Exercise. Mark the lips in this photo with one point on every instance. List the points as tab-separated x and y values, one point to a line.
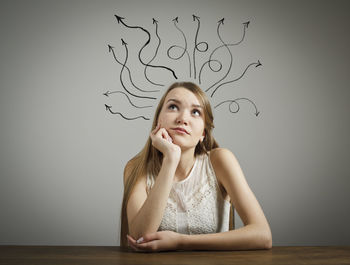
180	130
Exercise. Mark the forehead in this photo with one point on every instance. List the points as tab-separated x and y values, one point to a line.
183	95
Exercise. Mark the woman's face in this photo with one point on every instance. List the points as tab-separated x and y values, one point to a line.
183	117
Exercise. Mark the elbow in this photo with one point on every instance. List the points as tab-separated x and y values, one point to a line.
267	244
134	232
137	232
261	238
265	241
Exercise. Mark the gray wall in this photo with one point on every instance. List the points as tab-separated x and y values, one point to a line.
62	154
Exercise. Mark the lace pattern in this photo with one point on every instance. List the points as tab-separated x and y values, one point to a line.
195	204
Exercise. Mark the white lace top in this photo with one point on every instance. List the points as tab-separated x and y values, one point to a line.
195	204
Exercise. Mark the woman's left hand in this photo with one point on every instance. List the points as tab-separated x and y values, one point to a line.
159	241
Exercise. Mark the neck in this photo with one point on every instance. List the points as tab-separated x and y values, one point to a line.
185	164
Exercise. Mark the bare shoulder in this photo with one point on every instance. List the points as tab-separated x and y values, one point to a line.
220	156
224	163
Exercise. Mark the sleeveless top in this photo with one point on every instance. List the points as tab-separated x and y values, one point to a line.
195	205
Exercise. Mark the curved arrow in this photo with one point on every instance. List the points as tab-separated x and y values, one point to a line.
121	73
129	119
111	48
183	48
245	26
120	20
235	101
109	93
196	45
221	22
155	54
256	65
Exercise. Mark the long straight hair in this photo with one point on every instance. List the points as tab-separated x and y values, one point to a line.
149	159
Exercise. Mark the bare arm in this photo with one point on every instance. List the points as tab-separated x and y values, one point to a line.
145	212
256	232
245	238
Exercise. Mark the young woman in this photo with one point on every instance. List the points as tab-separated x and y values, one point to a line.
179	189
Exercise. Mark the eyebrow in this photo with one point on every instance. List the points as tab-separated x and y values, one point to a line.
179	102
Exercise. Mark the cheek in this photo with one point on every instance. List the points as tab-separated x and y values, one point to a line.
200	129
163	119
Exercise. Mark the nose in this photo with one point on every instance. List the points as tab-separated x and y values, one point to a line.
182	118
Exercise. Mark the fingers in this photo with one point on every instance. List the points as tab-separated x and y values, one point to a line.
132	244
166	136
162	132
156	129
145	244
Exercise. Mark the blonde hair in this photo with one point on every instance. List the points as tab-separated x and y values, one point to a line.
149	159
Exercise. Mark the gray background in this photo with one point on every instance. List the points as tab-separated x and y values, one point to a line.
62	155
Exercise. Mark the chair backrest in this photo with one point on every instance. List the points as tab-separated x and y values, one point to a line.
232	218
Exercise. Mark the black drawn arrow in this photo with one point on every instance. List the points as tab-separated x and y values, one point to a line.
155	54
176	21
221	22
121	92
238	107
121	73
245	26
111	49
120	20
108	108
225	83
196	45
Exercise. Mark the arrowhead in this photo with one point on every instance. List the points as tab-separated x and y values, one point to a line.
176	19
123	42
256	114
195	17
259	63
108	107
110	48
246	24
119	18
106	94
154	21
221	21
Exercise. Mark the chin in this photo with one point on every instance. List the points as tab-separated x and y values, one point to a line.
179	143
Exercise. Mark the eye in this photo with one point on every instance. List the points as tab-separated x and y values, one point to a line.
172	107
196	112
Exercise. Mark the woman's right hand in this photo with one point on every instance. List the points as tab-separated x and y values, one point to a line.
162	141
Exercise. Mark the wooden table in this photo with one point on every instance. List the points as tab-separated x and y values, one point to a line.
115	255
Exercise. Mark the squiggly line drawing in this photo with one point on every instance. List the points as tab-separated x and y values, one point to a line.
196	45
109	93
121	73
176	21
208	62
245	26
238	107
111	48
120	20
155	54
126	118
256	65
221	22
